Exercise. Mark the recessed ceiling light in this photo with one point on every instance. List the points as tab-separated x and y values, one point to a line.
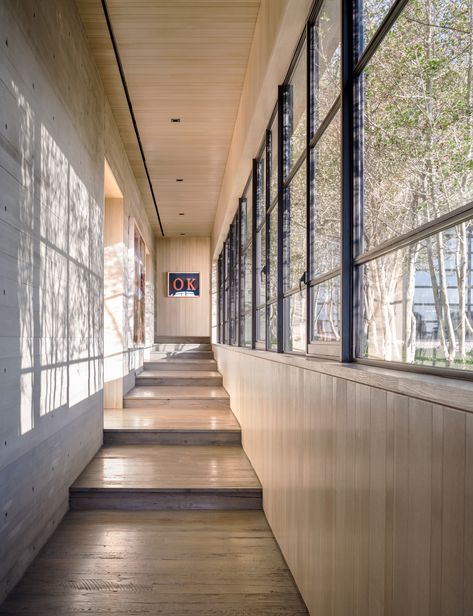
175	119
179	179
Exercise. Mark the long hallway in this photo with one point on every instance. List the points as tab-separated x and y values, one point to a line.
236	307
167	518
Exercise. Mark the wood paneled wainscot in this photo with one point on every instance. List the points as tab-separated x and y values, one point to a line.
368	490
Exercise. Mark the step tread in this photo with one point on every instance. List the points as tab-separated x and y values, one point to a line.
169	392
181	374
182	339
184	346
163	419
189	360
181	355
171	468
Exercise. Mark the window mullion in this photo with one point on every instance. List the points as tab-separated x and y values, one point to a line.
347	207
254	211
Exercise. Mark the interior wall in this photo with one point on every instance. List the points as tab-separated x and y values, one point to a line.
115	303
55	130
368	491
183	316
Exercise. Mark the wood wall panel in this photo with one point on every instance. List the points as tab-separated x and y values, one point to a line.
368	491
183	316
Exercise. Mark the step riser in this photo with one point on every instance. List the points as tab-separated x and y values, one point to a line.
180	348
182	340
106	499
148	381
182	355
174	437
179	365
179	403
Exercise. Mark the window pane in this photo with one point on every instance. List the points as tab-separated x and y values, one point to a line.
326	201
260	264
247	330
261	192
295	230
261	324
417	145
418	302
326	311
297	108
274	160
243	219
273	253
327	59
273	326
233	238
295	322
373	11
249	212
246	303
226	265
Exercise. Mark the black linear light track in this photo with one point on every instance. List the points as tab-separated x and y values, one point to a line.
130	106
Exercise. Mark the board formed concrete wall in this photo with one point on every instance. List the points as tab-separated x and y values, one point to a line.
56	129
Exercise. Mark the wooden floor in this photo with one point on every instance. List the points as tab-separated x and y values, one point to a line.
167	518
180	563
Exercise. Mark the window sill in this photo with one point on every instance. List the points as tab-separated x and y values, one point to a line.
450	392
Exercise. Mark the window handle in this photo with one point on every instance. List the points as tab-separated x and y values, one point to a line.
302	281
263	272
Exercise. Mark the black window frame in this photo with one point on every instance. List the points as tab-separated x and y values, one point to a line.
355	56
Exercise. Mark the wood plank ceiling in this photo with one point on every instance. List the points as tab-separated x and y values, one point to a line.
182	59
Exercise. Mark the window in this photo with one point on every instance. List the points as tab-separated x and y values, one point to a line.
417	170
139	290
367	223
220	301
295	207
246	266
234	280
226	292
325	184
417	304
260	252
272	236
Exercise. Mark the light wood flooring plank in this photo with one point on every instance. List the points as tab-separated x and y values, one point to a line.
168	563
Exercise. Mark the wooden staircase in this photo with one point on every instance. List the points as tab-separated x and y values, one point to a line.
122	550
175	445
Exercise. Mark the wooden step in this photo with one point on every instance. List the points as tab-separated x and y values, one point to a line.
179	378
167	477
181	364
182	339
177	397
181	355
168	347
185	426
